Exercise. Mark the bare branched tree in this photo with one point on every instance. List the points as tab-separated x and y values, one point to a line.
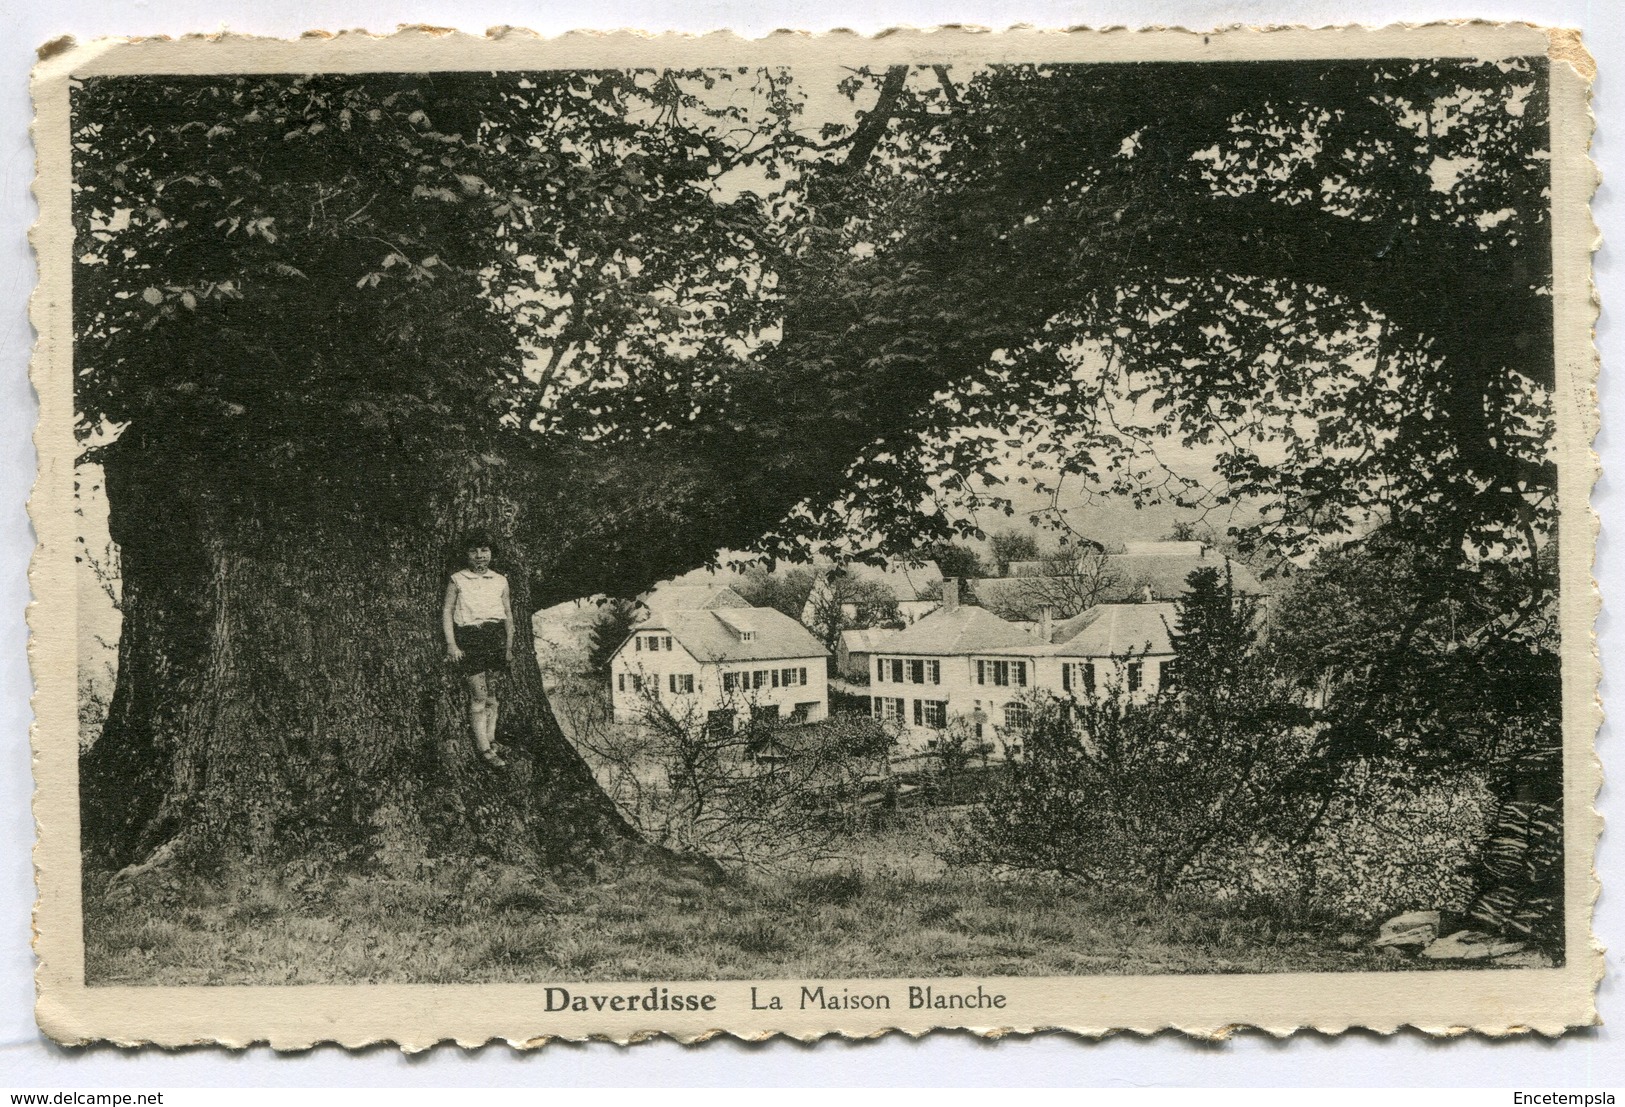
768	795
1073	580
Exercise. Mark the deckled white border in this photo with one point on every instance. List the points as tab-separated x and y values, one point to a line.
1204	1028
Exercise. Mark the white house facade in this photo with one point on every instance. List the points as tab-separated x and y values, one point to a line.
958	664
721	667
966	667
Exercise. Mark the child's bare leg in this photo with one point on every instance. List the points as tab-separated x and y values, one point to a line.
490	717
476	710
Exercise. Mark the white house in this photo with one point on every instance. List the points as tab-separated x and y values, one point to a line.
720	666
967	666
957	663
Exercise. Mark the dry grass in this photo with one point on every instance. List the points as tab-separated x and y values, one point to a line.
900	913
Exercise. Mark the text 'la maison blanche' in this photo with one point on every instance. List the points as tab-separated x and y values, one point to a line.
803	997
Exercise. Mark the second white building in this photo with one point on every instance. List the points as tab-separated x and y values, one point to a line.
720	667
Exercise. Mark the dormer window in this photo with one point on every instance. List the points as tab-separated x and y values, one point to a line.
747	636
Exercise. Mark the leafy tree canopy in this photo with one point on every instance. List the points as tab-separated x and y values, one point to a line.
705	316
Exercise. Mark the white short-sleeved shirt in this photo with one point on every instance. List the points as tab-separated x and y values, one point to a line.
479	597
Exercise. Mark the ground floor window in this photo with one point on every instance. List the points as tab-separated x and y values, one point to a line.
682	684
934	713
1136	675
720	721
765	713
887	707
1016	714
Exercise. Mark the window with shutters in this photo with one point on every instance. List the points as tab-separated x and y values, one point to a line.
936	713
667	640
801	674
620	682
1019	668
1001	673
682	684
1136	675
1066	676
897	670
919	713
880	670
933	670
775	675
758	678
1089	677
916	673
1168	675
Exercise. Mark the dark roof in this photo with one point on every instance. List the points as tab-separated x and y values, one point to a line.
717	634
965	630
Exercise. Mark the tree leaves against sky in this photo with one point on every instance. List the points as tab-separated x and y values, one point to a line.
1334	277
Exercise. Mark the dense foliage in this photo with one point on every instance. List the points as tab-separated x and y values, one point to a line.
636	317
613	261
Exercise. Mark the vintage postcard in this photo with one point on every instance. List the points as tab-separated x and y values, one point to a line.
627	535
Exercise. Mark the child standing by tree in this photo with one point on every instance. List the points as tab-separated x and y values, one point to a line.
477	619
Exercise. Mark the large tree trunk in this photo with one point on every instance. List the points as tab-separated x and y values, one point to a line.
283	688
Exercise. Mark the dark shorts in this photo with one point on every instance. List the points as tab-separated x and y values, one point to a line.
484	646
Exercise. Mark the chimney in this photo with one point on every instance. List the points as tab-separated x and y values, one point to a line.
1044	629
950	594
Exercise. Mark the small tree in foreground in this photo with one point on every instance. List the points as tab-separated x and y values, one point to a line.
767	795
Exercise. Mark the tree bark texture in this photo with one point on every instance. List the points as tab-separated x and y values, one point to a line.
283	689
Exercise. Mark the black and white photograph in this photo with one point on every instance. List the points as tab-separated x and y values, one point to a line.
825	522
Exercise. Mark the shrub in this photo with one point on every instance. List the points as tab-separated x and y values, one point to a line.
1117	794
769	795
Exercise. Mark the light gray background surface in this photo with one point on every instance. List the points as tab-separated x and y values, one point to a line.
1592	1058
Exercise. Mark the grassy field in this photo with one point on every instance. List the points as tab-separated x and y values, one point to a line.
901	915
